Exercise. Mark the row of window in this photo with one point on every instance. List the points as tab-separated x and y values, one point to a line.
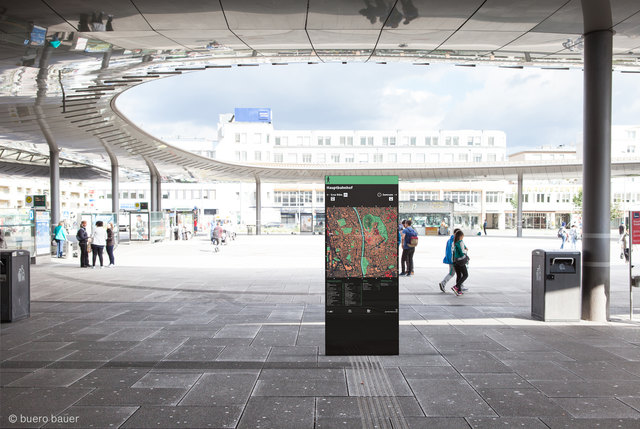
383	141
392	158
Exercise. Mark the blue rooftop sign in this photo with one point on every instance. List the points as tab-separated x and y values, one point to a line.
252	114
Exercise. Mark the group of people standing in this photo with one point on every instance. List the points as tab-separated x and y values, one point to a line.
99	239
568	235
455	256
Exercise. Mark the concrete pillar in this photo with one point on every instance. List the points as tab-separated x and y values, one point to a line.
153	198
258	206
106	57
596	173
519	210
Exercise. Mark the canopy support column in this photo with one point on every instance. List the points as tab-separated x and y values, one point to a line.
519	209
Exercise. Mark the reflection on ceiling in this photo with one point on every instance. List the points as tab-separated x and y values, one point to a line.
63	63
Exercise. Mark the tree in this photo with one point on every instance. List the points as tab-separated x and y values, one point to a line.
577	201
616	212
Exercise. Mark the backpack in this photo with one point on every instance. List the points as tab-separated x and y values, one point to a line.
413	242
78	235
560	234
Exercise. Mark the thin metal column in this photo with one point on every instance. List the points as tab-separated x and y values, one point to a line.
153	199
258	205
519	209
54	150
158	192
54	185
596	174
115	184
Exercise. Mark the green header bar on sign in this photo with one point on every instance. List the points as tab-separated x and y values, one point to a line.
361	180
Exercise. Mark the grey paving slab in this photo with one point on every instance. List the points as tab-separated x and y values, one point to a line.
597	408
351	407
431	372
168	379
431	359
587	388
521	403
94	417
506	422
34	402
450	398
632	401
475	362
541	370
111	378
276	336
497	381
336	374
238	331
437	423
597	423
195	353
221	388
598	370
183	416
7	377
40	346
278	413
133	397
92	355
244	354
300	387
51	378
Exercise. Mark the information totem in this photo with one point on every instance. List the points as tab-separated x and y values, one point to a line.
361	265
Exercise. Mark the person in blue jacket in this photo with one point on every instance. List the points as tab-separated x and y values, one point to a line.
448	259
60	236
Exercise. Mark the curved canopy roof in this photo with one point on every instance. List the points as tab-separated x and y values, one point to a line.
69	100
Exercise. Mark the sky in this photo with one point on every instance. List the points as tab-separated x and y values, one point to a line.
534	107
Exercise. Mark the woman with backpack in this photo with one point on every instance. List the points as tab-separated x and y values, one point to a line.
460	260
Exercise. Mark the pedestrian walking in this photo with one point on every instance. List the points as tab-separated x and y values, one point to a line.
60	235
98	241
448	259
408	249
460	260
83	241
111	242
562	234
484	226
573	235
624	244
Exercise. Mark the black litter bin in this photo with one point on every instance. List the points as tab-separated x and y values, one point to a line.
15	284
555	285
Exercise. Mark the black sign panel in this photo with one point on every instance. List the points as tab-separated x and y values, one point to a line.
361	265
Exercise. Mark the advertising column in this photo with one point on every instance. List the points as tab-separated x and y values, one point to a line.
361	265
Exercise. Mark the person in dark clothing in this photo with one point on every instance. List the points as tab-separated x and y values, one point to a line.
111	241
459	262
83	239
407	249
484	226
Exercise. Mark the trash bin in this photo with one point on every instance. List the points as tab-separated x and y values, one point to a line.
555	285
15	285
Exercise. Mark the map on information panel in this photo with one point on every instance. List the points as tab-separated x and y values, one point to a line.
361	242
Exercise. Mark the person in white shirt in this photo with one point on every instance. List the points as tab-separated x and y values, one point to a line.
98	241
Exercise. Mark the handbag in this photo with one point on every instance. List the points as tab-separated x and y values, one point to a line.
464	260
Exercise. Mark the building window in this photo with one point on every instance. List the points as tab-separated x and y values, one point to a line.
469	141
319	197
427	141
257	138
477	157
243	155
349	157
278	141
418	158
492	141
464	157
277	157
363	141
456	141
292	158
540	198
237	155
412	141
494	197
434	140
631	149
257	156
306	158
491	157
392	141
370	141
363	158
405	158
447	141
322	158
346	141
377	157
392	158
335	158
324	141
468	198
447	157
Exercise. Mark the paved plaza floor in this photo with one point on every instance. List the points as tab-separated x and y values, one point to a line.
178	335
